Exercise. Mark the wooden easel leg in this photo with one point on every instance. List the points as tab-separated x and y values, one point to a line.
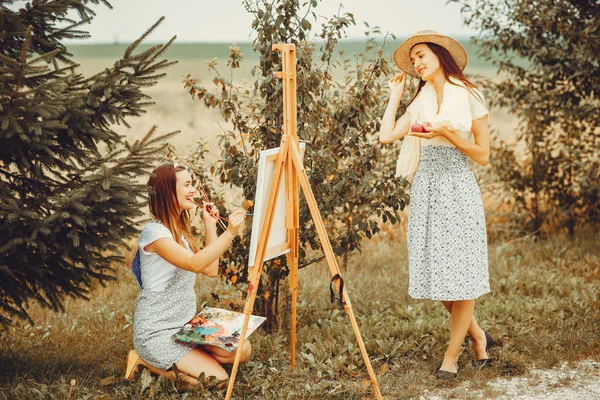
294	267
293	196
330	256
293	260
252	289
293	264
292	190
256	271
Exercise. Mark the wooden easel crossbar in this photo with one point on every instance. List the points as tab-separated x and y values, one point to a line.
289	162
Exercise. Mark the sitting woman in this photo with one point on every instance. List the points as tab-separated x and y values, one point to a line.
169	259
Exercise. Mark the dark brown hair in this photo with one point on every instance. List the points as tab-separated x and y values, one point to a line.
164	205
450	69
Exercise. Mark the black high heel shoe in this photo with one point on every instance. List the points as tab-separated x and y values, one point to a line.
441	374
489	343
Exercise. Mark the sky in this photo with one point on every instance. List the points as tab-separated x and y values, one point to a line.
228	21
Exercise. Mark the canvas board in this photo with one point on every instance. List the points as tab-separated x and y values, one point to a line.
278	242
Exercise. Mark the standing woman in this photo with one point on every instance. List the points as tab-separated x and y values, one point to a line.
169	260
447	241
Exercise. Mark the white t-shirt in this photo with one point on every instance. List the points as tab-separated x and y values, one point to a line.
478	107
478	110
156	271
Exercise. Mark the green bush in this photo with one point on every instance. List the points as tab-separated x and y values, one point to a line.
546	54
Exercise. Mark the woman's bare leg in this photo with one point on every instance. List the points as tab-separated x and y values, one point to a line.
475	332
460	320
228	357
198	361
169	374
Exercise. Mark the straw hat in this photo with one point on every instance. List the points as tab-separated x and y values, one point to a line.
402	53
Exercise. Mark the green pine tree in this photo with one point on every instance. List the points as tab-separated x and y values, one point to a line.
69	188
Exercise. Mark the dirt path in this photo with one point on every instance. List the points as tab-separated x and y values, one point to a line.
575	382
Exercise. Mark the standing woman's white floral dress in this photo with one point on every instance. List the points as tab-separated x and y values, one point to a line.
447	240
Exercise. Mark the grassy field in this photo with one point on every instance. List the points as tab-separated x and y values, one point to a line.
544	307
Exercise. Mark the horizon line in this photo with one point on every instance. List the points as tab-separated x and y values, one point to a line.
113	42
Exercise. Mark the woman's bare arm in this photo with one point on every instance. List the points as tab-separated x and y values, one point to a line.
478	151
183	258
204	260
211	237
392	129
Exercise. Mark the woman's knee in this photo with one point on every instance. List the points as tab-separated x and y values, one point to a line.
218	374
448	305
246	351
197	361
221	375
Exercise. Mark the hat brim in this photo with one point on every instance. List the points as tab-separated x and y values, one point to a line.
402	53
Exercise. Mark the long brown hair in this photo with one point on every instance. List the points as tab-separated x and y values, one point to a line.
165	207
450	69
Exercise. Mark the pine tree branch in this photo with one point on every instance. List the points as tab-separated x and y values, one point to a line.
135	44
45	57
72	34
23	59
164	48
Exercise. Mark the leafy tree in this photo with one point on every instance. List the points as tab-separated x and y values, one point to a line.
350	173
69	192
546	53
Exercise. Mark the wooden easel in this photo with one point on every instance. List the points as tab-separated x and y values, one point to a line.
289	162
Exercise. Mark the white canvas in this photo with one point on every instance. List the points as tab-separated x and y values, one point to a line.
278	243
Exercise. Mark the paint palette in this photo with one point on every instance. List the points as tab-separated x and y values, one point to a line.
217	327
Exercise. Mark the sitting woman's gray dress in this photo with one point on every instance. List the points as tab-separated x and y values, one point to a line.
161	313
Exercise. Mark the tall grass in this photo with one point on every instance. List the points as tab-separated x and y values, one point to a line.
544	307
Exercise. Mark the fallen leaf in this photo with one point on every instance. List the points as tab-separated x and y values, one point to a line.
109	380
384	368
